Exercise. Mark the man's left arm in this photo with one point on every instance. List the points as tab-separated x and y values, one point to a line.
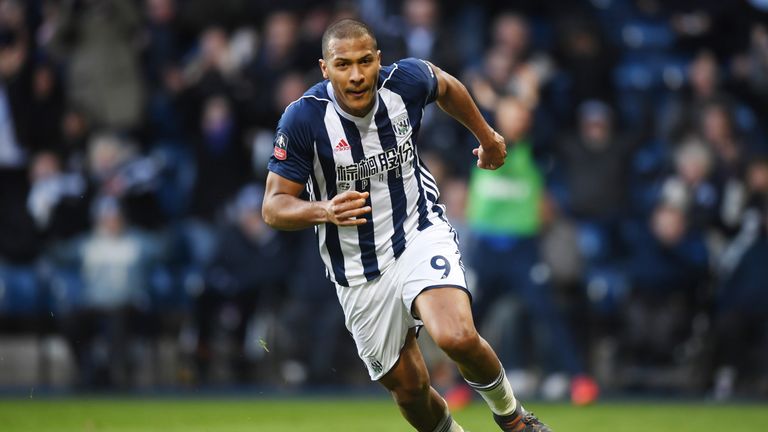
454	99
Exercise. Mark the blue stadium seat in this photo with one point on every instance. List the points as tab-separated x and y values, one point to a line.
607	289
649	159
66	290
177	177
645	35
166	289
635	75
20	291
594	241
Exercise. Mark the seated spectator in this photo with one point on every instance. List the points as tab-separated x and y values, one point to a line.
98	41
740	342
316	338
46	109
587	59
15	85
678	117
75	134
419	32
58	201
596	166
247	274
717	128
510	66
668	270
596	162
750	71
20	239
221	159
118	170
692	186
668	255
114	260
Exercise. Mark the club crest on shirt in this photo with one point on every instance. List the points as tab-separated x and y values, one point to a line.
281	146
402	125
374	365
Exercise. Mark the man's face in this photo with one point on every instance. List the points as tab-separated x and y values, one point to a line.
353	66
513	120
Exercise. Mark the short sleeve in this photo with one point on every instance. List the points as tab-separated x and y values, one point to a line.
417	79
292	148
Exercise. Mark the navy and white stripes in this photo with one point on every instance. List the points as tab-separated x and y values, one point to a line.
333	151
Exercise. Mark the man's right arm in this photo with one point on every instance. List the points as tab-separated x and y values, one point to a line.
284	210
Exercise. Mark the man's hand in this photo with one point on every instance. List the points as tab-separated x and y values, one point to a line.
491	153
346	208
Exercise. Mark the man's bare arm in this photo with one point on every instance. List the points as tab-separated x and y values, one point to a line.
284	210
454	99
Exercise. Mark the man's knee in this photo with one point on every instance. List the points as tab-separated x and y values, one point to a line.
457	342
411	391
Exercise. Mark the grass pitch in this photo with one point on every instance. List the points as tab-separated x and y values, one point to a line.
348	415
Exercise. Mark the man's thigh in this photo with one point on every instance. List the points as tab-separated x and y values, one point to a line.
444	311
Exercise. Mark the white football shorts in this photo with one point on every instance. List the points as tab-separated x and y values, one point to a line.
379	313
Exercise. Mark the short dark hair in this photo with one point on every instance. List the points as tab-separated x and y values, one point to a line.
347	28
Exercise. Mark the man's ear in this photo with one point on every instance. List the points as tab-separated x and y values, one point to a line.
323	68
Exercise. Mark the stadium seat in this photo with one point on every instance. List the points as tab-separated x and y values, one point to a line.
66	290
607	288
20	291
644	35
167	289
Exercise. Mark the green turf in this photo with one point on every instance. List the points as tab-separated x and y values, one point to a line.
345	415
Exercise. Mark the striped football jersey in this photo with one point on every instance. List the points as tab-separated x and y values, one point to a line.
331	151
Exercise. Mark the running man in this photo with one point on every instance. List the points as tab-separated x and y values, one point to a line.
351	142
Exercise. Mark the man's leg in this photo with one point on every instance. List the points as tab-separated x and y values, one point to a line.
447	315
420	404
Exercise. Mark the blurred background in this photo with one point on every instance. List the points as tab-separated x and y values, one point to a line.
622	247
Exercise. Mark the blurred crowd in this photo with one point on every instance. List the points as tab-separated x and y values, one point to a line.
625	239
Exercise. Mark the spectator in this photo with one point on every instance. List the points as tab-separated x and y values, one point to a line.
247	275
421	35
750	71
164	46
289	89
596	163
115	261
20	240
504	215
58	201
681	115
692	187
118	170
165	42
75	135
588	60
15	85
740	339
276	57
46	108
98	41
313	319
511	67
668	271
716	127
221	159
